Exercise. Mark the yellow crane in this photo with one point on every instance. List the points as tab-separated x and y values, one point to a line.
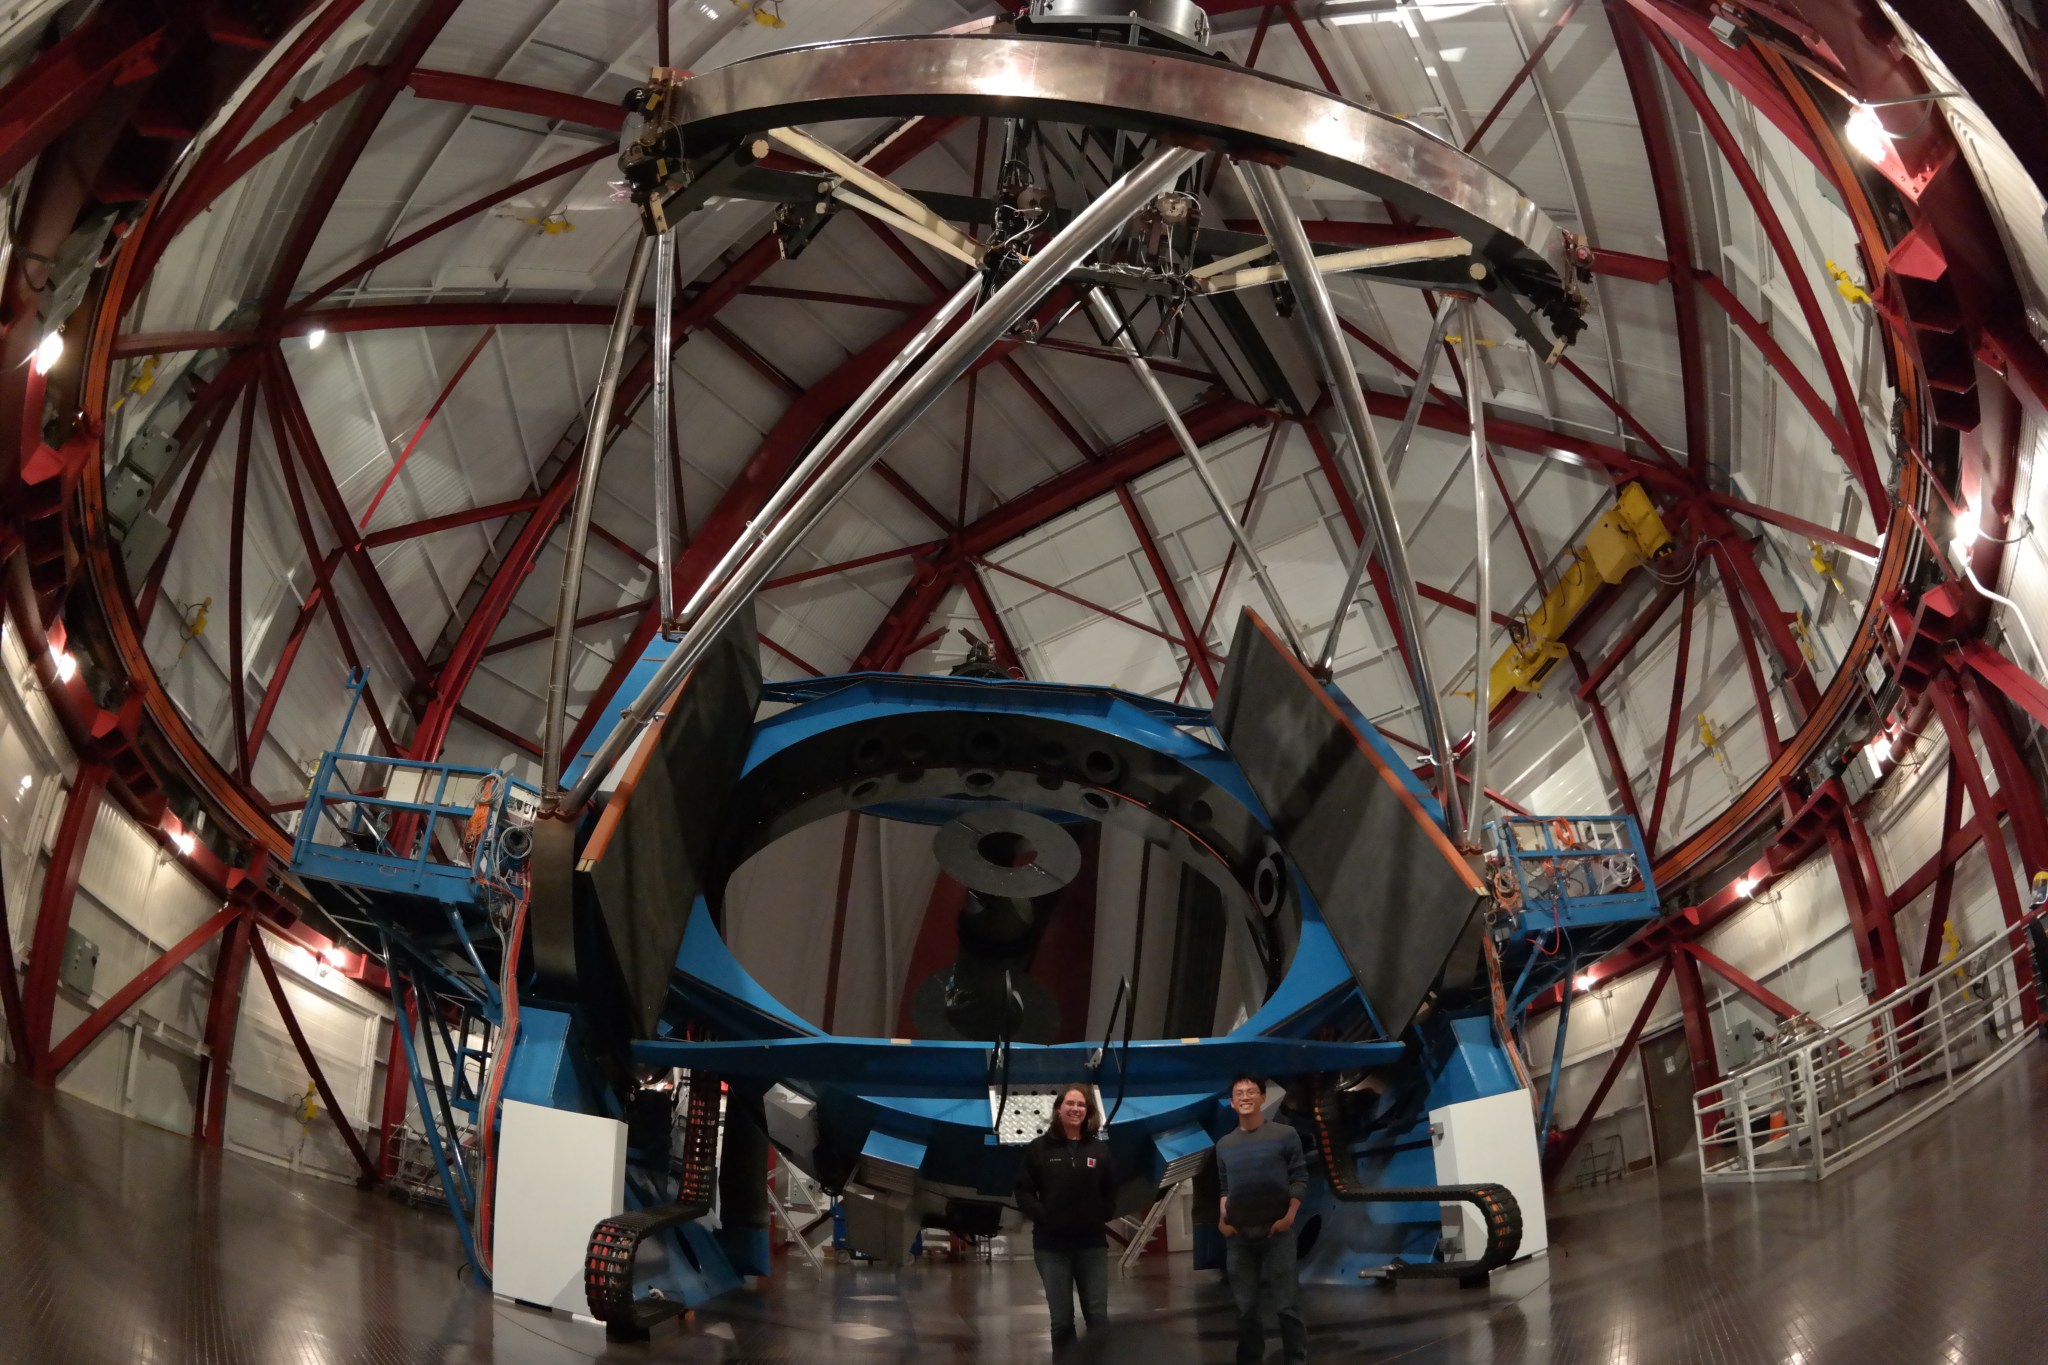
1628	536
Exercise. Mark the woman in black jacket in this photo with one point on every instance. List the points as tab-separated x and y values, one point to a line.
1067	1190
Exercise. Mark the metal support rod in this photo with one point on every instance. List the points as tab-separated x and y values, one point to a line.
1333	358
1111	322
664	348
1482	702
954	356
556	724
789	1226
1564	1019
1424	372
786	492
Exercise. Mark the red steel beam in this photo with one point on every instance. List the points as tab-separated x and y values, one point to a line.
849	565
391	1118
320	475
238	520
1862	462
1667	182
1629	639
53	913
524	743
548	632
1167	587
311	542
121	1001
309	611
427	21
1551	35
116	45
454	87
306	1055
223	1010
1672	723
198	195
1759	335
1741	980
433	411
1699	1028
783	652
2018	789
1759	686
1558	1158
152	581
1080	601
1244	516
448	521
1955	719
204	182
1945	867
991	620
1604	728
448	220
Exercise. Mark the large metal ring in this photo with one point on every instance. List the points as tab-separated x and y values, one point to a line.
1150	91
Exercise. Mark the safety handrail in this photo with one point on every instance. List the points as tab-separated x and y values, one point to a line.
1827	1098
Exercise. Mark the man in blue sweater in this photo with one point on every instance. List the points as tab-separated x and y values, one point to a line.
1263	1177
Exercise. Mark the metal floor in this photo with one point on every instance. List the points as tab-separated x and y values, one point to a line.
121	1243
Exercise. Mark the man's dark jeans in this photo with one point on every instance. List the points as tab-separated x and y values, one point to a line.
1262	1276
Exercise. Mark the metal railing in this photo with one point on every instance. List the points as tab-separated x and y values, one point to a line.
1571	869
1836	1094
407	825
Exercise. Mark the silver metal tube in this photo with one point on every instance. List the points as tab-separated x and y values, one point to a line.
1482	505
824	447
1112	324
1326	337
664	356
566	603
1018	296
1396	450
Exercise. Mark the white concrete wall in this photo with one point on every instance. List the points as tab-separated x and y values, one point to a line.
135	900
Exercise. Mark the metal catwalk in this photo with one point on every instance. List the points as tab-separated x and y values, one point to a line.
123	1243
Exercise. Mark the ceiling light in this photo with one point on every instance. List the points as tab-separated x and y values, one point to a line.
1745	887
185	842
1880	749
315	337
1585	981
67	667
1866	132
48	352
27	780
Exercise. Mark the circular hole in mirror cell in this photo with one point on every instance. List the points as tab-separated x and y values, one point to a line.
1006	848
979	780
1052	782
1052	753
865	789
1101	765
914	747
870	754
1200	813
984	746
1095	800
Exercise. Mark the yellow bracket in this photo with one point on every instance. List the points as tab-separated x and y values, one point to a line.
1847	285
